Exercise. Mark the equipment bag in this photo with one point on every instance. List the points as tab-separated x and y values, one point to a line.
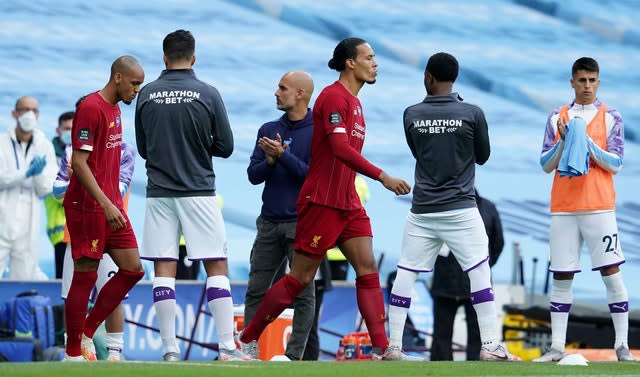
20	349
29	315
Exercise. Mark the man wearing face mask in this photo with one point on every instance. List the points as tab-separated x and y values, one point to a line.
63	134
53	205
27	172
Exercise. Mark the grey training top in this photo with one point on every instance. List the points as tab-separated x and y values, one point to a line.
447	137
181	122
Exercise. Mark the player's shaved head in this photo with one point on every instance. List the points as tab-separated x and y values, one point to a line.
124	82
124	65
301	80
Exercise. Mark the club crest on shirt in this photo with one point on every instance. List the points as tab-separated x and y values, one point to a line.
335	118
315	241
94	245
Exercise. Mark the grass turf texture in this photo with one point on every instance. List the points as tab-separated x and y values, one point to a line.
311	369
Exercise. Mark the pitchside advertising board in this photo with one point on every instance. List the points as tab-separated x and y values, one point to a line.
339	315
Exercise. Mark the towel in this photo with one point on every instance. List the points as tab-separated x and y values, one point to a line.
574	161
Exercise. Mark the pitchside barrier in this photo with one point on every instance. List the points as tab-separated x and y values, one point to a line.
194	325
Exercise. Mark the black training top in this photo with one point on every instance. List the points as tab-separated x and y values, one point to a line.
181	122
447	137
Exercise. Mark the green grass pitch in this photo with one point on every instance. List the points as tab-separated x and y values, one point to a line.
312	369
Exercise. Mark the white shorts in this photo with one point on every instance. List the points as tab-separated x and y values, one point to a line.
198	218
598	230
462	230
106	269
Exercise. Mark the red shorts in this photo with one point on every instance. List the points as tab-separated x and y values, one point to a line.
320	228
91	235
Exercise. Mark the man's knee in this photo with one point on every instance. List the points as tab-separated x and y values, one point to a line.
215	267
86	264
608	271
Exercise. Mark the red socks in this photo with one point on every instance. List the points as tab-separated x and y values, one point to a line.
109	297
75	308
371	305
274	302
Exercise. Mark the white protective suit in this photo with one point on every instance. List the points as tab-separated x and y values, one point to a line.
20	202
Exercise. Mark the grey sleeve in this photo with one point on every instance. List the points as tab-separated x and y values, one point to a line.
481	140
141	140
222	137
407	134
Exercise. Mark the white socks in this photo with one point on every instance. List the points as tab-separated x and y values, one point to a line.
221	307
484	303
559	306
114	341
164	301
618	300
399	303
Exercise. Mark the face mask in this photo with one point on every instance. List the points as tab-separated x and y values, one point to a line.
65	137
27	121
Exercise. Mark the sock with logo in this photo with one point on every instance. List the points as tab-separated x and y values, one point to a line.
164	301
371	305
114	341
221	307
559	306
399	303
618	300
75	308
110	297
484	303
279	297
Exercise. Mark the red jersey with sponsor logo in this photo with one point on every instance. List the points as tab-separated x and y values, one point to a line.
329	181
97	128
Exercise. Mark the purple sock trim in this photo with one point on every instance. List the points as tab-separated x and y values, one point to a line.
558	307
403	302
619	307
163	293
215	293
484	295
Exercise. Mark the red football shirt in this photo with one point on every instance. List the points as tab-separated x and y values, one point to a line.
329	181
97	128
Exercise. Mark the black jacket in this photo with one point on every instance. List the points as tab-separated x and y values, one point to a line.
181	122
447	137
